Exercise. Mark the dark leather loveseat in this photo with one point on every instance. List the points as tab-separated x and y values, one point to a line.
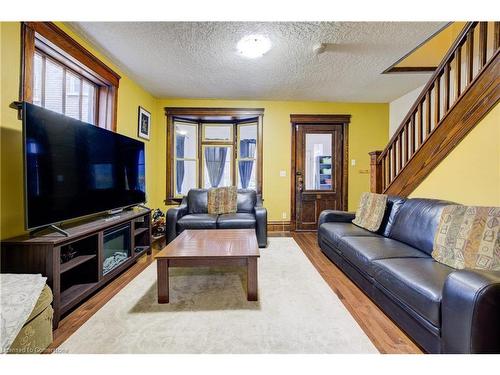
192	213
443	309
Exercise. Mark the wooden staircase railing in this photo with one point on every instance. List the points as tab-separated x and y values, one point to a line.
464	87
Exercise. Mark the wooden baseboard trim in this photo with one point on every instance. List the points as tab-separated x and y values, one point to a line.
278	226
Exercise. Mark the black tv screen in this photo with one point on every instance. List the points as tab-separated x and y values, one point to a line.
74	169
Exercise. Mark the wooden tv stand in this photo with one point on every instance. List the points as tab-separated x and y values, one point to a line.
79	264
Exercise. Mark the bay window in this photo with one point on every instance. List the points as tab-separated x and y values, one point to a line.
208	148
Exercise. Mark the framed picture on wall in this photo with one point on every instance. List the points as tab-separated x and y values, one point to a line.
144	126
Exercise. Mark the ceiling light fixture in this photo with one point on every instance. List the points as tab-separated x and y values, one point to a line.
253	46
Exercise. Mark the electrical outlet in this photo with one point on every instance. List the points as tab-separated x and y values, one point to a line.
283	215
282	173
353	162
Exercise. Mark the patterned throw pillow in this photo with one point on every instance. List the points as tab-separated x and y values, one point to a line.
371	211
222	200
468	237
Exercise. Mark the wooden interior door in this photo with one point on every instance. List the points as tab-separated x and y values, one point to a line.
319	171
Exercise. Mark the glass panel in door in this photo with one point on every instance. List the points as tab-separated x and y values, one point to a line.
318	161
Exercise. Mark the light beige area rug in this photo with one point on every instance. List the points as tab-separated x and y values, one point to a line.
297	312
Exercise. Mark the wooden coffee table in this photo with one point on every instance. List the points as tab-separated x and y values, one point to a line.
210	247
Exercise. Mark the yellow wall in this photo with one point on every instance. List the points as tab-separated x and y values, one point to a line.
368	131
432	52
130	96
471	172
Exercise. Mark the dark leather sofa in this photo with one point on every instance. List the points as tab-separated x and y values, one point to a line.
443	309
192	213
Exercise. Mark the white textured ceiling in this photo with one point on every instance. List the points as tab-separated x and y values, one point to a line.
199	59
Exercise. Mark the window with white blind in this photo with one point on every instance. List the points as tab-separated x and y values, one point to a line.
58	88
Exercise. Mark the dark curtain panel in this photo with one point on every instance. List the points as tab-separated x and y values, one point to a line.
247	150
180	163
215	159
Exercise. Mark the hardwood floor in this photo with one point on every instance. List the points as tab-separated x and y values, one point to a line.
384	334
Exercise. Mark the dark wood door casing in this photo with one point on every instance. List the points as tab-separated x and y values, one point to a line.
306	206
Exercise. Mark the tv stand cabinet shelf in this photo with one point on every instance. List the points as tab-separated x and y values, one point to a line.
94	253
76	261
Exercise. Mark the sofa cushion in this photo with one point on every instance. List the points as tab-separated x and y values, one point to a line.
222	200
197	200
236	221
371	210
333	231
247	199
416	282
469	237
197	221
362	251
417	222
394	204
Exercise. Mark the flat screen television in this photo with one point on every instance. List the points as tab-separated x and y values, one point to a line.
74	169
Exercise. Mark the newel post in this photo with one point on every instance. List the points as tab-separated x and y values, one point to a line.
375	172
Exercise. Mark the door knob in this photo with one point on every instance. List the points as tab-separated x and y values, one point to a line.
299	184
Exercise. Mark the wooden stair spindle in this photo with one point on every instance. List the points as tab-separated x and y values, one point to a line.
412	135
420	125
458	71
446	88
469	56
428	119
406	135
483	36
437	101
400	152
393	162
496	38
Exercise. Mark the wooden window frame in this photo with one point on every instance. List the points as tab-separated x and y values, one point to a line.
55	43
200	116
